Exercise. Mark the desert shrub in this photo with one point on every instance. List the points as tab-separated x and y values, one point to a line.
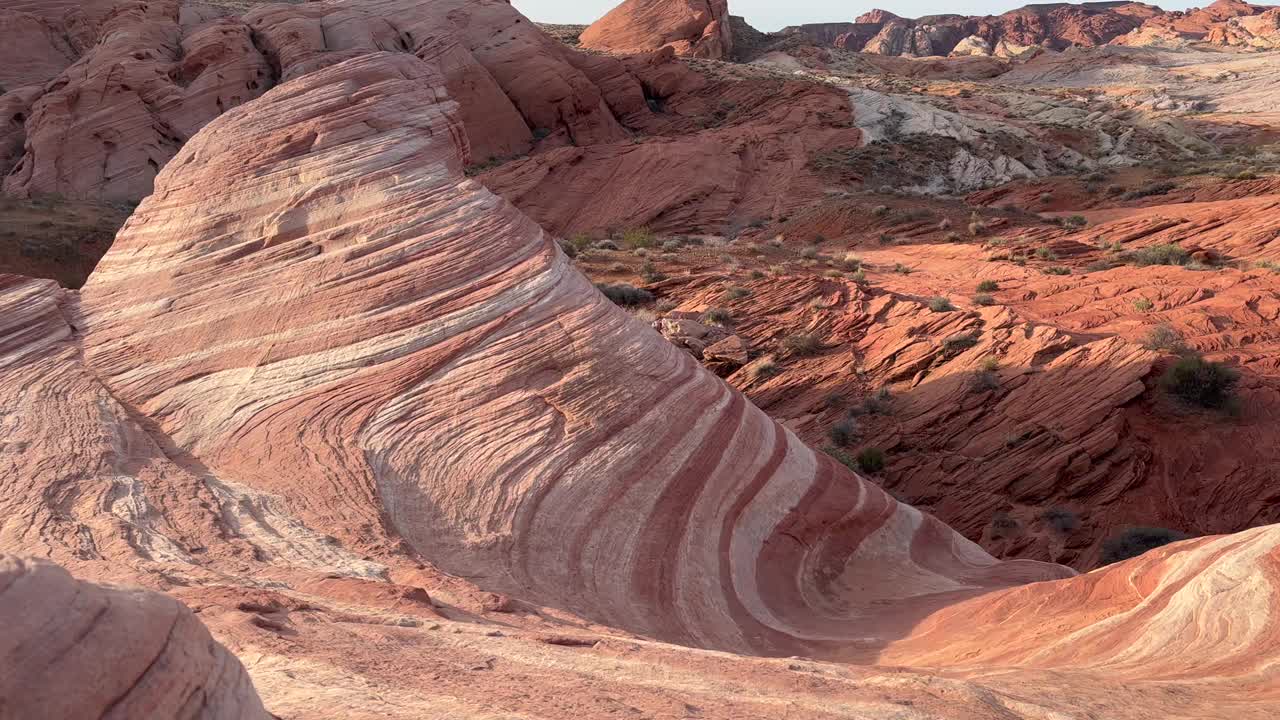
1046	197
1045	253
580	241
1197	381
809	253
902	269
1143	305
640	252
887	239
765	369
954	237
671	246
735	292
833	273
617	267
852	262
1062	520
1003	525
756	275
717	316
605	245
880	210
859	277
624	294
1163	338
990	364
1057	270
775	243
1135	541
988	286
844	432
941	304
802	344
650	273
881	403
639	237
984	381
666	306
959	343
1155	188
568	248
1098	266
871	460
1159	255
944	224
1074	221
983	299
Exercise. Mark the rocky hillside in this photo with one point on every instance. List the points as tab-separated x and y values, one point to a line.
1053	26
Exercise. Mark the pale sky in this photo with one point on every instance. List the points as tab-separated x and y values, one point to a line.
769	15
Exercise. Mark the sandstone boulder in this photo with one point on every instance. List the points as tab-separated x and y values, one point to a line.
698	28
71	649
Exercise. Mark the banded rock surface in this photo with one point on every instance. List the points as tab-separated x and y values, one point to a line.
500	415
346	327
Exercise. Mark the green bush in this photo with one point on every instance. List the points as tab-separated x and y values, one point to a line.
736	293
639	237
983	299
941	304
871	460
1197	381
987	286
1057	270
1135	541
1045	253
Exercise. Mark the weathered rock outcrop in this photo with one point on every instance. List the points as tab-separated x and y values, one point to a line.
106	125
331	330
71	649
698	28
540	481
1054	26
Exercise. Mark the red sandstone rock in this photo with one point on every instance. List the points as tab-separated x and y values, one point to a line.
699	28
75	650
108	123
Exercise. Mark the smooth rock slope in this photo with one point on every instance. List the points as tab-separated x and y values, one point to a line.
499	414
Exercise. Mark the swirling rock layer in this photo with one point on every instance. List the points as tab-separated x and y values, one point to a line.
554	461
320	363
